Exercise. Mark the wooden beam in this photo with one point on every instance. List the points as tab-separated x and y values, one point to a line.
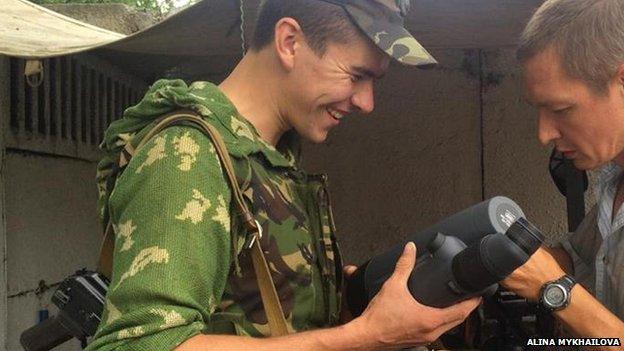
5	111
78	108
34	108
87	106
21	96
97	109
67	97
58	112
47	118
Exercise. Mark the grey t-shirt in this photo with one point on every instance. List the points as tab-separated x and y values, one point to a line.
597	246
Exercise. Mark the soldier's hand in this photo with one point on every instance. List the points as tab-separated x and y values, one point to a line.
345	314
348	270
396	320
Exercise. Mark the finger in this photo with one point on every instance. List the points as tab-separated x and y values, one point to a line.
452	316
348	270
405	263
457	313
446	327
507	283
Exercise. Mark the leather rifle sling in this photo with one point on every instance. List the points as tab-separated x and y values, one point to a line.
268	293
105	262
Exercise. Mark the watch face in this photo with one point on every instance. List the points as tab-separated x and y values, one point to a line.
555	295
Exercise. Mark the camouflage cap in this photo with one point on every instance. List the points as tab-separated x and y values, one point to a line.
383	22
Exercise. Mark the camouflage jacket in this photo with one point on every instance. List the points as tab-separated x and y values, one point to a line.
179	265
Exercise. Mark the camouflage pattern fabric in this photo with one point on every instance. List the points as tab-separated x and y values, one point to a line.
173	273
383	22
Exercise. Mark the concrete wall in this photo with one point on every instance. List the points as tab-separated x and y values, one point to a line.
52	230
414	159
514	161
515	164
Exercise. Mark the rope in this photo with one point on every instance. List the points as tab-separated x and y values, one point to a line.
242	28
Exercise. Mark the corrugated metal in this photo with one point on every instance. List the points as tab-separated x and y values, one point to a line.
69	111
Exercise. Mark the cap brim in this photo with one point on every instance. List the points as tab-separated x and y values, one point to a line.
394	40
406	50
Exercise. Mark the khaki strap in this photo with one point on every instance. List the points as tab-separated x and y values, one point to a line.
105	263
268	293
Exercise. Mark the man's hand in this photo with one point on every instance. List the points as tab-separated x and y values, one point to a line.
393	320
345	314
396	320
348	270
528	279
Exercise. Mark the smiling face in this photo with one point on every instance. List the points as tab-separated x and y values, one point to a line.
586	126
320	91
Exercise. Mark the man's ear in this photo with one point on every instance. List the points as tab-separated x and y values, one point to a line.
620	75
287	36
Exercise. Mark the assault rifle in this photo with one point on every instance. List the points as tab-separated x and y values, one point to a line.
80	300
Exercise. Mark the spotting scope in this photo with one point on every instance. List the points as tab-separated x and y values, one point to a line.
462	256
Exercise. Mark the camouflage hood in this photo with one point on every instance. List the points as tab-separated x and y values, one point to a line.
166	96
383	21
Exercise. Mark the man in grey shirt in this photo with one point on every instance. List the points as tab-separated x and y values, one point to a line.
572	54
596	249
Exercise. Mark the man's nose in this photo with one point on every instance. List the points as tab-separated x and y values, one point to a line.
546	129
363	97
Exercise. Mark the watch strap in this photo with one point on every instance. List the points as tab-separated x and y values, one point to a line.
567	281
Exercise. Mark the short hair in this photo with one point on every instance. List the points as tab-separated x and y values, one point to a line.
321	22
587	34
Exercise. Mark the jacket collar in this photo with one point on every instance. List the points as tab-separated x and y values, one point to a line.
241	136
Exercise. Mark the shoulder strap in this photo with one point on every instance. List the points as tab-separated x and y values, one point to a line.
268	293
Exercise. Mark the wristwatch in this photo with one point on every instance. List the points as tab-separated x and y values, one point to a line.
555	295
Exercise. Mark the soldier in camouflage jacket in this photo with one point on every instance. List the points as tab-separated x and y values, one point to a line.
181	278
